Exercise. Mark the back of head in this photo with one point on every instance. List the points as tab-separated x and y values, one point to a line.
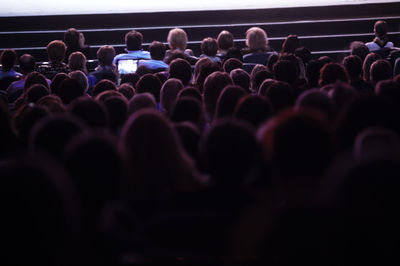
35	78
312	72
155	155
298	144
230	153
127	90
253	109
359	49
180	69
353	66
81	78
234	52
225	40
231	64
188	109
205	70
380	29
380	70
209	46
103	85
117	109
259	78
8	58
369	60
91	112
51	134
71	37
149	83
213	86
77	61
27	63
157	50
290	44
131	78
169	93
35	92
331	73
256	39
56	82
69	90
177	39
281	95
190	92
285	70
106	55
241	78
228	100
133	40
141	101
56	51
317	100
389	89
52	103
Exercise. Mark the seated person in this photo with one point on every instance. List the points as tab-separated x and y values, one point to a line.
56	54
133	42
27	65
7	74
258	49
209	48
177	41
381	40
77	61
225	41
106	69
75	42
157	53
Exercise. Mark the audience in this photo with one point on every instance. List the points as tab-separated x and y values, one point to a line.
239	157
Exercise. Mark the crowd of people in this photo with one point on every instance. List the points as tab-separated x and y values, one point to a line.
229	157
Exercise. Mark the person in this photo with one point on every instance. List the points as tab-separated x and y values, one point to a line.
133	42
77	61
177	41
8	58
209	48
106	69
225	41
258	49
56	53
381	39
157	54
75	42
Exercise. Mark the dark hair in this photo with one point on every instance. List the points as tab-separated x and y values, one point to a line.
213	86
281	95
209	46
312	72
8	58
35	78
127	90
103	85
105	55
225	40
290	44
380	29
169	93
141	101
133	40
190	92
285	70
353	65
234	52
149	83
241	78
69	90
180	69
35	92
157	50
117	109
27	63
359	49
317	100
56	82
91	112
231	64
188	109
258	79
253	109
331	73
381	70
56	51
131	78
71	37
228	100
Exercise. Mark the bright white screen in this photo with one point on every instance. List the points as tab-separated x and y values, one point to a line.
69	7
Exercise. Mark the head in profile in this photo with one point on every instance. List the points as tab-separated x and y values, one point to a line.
256	39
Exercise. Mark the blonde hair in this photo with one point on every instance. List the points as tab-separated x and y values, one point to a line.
256	39
177	39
